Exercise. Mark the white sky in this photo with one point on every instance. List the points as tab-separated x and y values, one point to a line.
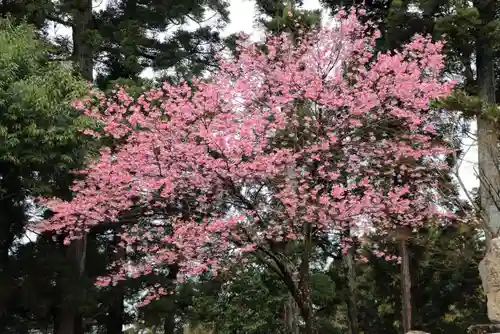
242	19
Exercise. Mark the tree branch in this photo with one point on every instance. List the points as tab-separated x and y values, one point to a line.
59	20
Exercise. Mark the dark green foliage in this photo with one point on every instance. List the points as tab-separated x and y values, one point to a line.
250	301
131	37
38	127
39	138
446	292
40	143
123	41
279	16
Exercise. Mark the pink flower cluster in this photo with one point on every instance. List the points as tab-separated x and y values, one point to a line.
319	133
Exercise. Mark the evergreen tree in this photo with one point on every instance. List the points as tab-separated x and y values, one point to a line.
40	141
120	42
131	35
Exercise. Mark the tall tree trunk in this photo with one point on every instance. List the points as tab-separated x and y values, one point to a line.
169	323
352	307
406	308
305	287
292	315
116	308
82	46
79	323
308	316
114	320
169	318
488	154
7	238
12	222
12	210
66	321
487	132
68	312
83	62
301	288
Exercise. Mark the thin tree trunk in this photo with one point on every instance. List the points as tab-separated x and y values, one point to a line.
405	286
169	324
68	312
6	242
352	307
291	316
79	324
308	316
12	210
66	321
305	287
83	62
82	47
114	321
487	132
301	289
116	308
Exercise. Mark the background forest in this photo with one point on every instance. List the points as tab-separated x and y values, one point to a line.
47	286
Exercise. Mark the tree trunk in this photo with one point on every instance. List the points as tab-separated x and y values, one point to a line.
169	324
116	308
488	154
405	286
6	241
12	210
68	311
291	316
300	288
66	321
308	316
352	307
114	320
487	134
83	57
305	288
79	324
83	62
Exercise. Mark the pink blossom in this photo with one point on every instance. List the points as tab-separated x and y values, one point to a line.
238	140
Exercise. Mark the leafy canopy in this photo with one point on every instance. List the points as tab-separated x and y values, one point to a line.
39	129
240	140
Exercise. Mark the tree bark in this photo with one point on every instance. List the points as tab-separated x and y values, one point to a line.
79	323
405	286
488	153
304	283
12	210
291	316
352	305
308	316
116	308
301	288
68	312
169	324
83	57
487	133
114	321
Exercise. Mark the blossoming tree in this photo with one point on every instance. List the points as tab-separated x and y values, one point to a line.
283	144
